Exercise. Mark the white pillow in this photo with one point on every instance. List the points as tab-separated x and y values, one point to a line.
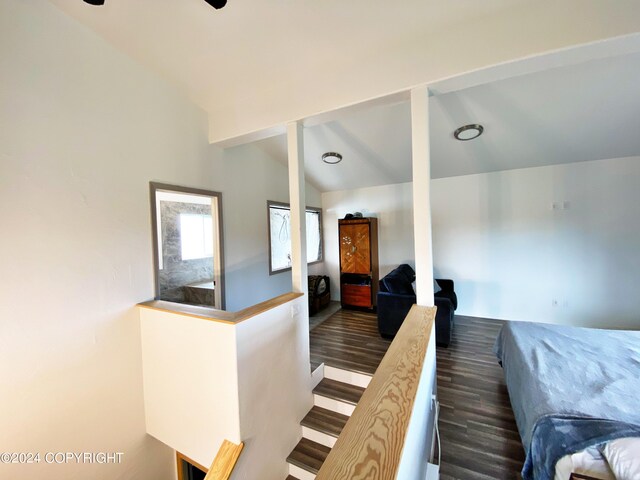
588	462
564	467
623	456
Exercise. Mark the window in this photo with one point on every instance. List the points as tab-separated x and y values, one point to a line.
280	236
196	236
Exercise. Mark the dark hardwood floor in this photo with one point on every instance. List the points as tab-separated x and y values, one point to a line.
349	340
479	437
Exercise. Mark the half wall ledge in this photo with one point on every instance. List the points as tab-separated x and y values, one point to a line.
202	370
215	315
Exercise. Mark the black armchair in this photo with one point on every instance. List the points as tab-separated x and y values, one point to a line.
396	296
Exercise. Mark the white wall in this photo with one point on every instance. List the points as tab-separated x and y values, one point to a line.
274	389
392	205
247	178
190	374
206	381
83	130
246	238
418	443
512	255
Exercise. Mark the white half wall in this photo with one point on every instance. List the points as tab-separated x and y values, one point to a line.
206	381
392	205
83	129
418	443
555	244
190	373
274	387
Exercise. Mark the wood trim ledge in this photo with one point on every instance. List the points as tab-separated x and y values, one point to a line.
222	316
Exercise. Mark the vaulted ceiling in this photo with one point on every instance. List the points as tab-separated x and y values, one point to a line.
588	111
256	63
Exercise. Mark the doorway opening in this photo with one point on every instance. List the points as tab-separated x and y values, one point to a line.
188	469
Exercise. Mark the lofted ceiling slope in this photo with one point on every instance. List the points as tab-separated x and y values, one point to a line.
588	111
257	64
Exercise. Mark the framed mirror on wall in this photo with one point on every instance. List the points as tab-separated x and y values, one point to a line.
188	248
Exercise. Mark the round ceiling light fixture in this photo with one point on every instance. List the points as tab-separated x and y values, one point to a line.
468	132
331	158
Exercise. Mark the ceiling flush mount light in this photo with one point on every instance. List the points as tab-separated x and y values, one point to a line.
217	4
331	158
94	2
468	132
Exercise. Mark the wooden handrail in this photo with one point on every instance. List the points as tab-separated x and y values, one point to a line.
215	315
225	461
371	443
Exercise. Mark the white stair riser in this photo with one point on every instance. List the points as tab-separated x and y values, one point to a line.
318	437
317	375
333	405
300	473
352	378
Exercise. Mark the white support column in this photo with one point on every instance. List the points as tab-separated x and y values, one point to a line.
298	208
421	195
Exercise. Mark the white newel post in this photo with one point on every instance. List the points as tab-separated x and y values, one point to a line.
298	207
421	195
421	437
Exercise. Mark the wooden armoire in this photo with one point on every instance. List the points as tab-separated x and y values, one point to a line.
358	239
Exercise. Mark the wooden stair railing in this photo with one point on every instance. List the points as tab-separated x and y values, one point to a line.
225	461
371	443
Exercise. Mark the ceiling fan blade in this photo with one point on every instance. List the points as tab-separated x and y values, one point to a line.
217	4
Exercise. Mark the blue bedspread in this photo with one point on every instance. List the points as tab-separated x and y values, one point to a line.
570	388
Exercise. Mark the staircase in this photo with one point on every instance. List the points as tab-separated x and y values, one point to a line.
334	398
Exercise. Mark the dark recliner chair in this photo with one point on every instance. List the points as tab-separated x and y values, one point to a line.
396	296
319	293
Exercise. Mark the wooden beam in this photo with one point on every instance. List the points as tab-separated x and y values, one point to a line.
371	443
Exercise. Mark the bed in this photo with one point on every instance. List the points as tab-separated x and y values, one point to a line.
572	389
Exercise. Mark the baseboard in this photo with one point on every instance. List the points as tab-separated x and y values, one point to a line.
433	467
435	438
433	472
